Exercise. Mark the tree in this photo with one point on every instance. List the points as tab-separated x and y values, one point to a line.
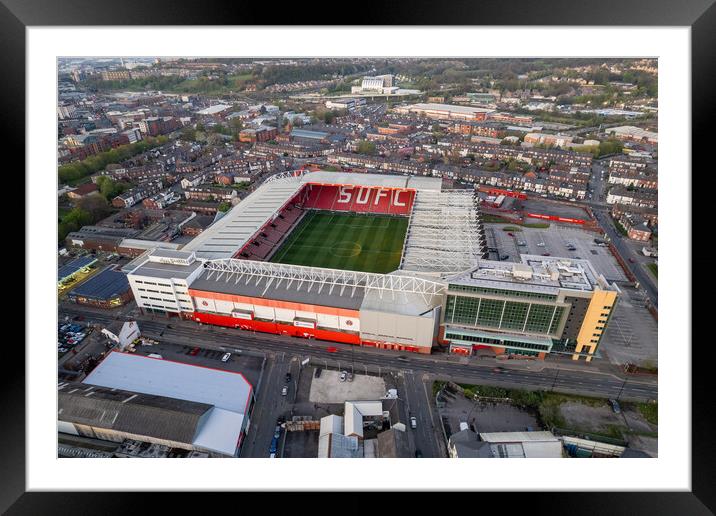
236	125
366	147
110	188
224	207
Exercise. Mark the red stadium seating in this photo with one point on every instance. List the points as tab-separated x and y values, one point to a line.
360	199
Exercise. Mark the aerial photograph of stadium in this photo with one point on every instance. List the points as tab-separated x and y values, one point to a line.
357	258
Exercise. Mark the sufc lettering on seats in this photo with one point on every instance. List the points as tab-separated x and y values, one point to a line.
346	195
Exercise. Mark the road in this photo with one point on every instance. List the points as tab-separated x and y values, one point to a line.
418	403
584	381
601	211
644	278
269	406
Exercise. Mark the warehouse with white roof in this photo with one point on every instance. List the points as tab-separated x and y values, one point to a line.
222	399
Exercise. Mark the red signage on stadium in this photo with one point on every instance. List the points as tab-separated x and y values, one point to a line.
500	191
555	218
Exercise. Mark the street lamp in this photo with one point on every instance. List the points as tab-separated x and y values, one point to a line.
622	388
555	379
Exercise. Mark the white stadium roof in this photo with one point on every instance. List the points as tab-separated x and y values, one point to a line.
226	236
444	233
384	180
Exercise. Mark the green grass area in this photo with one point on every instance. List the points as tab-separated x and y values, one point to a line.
650	411
494	218
536	225
511	228
369	243
654	268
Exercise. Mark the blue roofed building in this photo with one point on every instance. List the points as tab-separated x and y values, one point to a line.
68	271
108	289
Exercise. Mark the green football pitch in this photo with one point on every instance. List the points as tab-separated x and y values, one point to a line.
369	243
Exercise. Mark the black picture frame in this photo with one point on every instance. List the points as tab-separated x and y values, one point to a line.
699	15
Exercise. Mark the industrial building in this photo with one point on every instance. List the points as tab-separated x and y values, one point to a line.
442	293
445	111
347	104
504	445
369	429
158	401
377	84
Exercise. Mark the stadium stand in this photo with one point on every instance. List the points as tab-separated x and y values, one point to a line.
267	239
387	201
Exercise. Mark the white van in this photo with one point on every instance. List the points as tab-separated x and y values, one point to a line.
155	355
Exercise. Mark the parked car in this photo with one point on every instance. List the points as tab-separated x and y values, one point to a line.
288	377
343	376
350	377
317	373
413	422
546	254
226	357
418	454
498	369
277	432
284	391
510	234
195	351
615	406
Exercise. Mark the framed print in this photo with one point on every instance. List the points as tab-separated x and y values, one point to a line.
434	244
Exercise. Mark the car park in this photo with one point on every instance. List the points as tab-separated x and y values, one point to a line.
69	335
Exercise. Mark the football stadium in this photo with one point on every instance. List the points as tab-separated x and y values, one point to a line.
387	261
